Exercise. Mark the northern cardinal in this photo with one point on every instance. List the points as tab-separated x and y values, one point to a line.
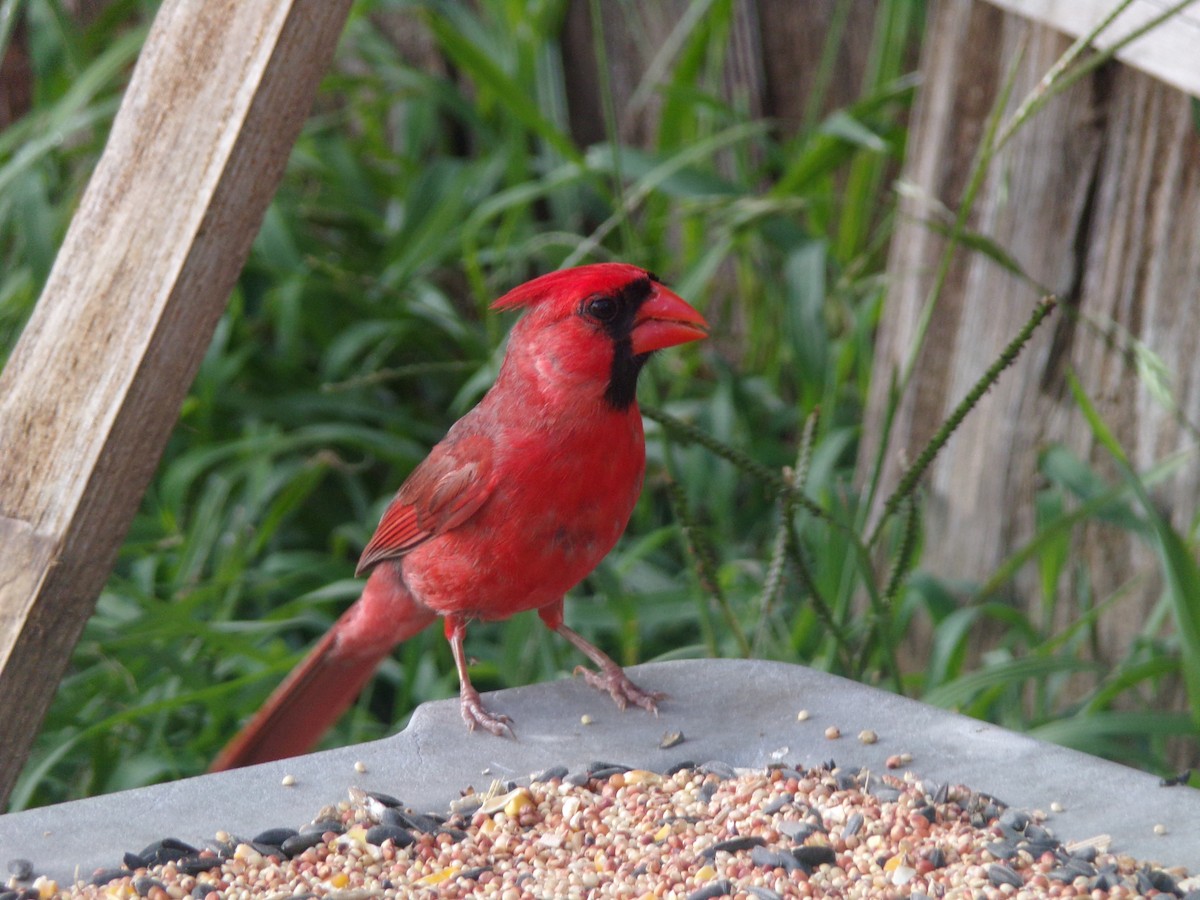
518	503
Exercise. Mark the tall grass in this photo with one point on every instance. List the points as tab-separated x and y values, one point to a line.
358	332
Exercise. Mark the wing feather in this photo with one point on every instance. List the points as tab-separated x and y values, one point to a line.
444	491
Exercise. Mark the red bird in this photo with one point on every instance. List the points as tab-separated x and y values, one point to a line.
518	503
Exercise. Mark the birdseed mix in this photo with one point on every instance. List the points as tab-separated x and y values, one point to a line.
694	832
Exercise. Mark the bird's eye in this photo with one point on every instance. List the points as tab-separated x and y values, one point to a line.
602	309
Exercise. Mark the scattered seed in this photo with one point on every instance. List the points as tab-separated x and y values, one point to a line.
1161	881
834	832
603	770
20	869
466	805
1002	849
384	799
1106	881
1015	819
1072	869
144	884
937	793
422	823
803	715
767	858
833	732
798	831
274	836
642	776
294	846
722	770
733	845
784	799
1160	829
1000	875
554	772
670	739
716	889
508	803
812	856
585	719
846	779
684	766
883	792
867	736
104	876
288	781
1057	807
378	834
360	767
853	825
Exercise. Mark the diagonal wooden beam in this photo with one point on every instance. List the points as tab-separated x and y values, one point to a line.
93	388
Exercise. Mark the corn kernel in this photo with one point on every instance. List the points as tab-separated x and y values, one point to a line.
438	877
518	800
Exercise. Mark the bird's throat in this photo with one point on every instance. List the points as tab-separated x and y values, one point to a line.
623	374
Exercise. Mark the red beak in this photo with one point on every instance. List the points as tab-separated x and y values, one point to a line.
665	320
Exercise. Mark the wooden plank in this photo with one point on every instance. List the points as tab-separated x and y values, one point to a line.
1098	199
1170	52
93	388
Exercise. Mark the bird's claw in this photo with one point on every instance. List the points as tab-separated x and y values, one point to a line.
475	713
621	688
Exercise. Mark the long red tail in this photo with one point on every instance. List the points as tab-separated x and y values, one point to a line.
326	682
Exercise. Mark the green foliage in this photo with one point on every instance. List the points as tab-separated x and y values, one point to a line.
358	332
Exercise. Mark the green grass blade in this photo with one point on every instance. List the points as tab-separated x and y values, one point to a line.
1180	571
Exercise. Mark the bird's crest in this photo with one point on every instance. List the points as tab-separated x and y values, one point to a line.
572	284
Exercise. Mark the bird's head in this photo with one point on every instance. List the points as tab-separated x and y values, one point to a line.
595	326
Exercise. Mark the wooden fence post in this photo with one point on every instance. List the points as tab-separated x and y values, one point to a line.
93	388
1098	199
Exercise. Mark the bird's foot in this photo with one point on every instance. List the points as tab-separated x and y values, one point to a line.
475	713
620	688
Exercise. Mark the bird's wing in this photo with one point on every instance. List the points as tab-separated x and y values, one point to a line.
441	493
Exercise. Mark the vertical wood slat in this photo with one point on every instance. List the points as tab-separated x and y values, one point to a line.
93	387
1098	199
774	52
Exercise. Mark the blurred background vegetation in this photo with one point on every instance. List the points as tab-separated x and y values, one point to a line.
448	159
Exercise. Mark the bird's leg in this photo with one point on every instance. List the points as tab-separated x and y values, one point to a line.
473	710
611	677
